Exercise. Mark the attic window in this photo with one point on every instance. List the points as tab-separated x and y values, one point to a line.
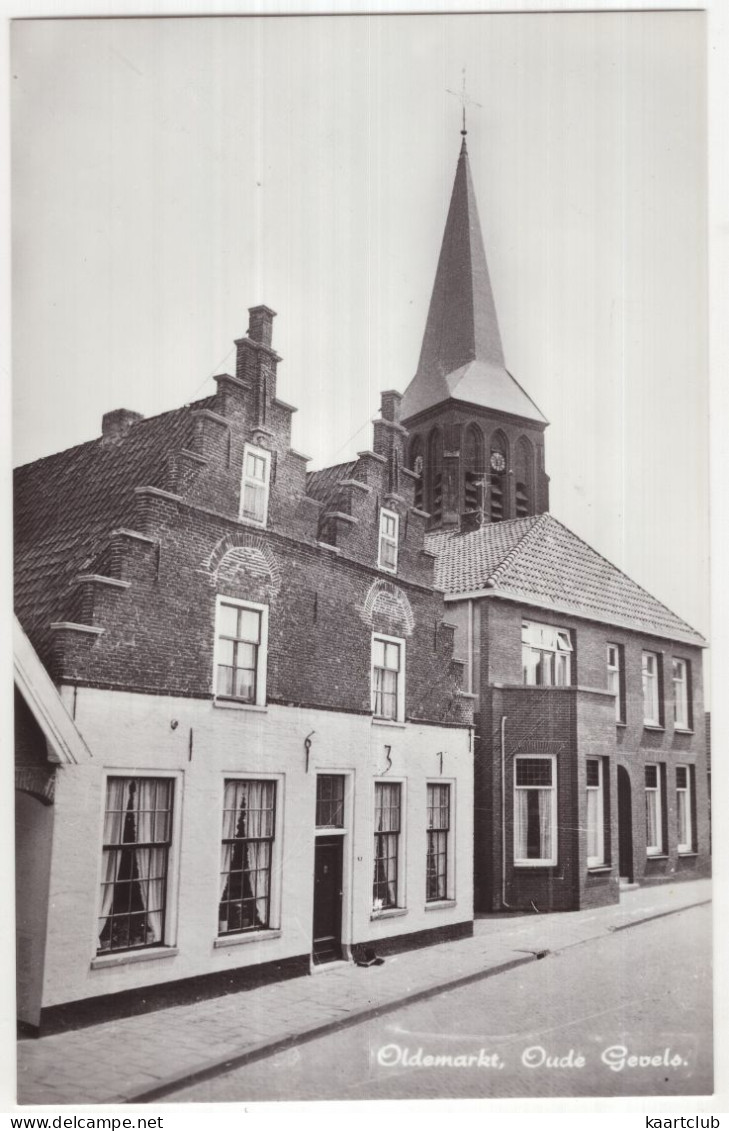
389	523
255	485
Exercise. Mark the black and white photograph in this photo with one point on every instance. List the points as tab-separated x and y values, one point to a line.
361	516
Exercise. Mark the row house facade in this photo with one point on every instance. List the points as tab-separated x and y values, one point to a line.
275	767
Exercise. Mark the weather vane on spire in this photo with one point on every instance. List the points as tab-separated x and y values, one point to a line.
465	101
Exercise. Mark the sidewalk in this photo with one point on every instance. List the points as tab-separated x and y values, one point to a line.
139	1059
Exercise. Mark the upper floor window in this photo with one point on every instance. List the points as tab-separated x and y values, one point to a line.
651	689
255	484
681	698
241	637
388	677
389	528
137	838
546	655
616	682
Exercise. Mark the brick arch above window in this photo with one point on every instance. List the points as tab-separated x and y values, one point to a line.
386	599
247	555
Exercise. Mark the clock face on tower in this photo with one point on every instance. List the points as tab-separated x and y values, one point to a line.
498	463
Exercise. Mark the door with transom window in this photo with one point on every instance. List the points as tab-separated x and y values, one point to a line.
328	875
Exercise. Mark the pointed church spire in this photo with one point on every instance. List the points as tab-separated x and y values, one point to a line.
462	356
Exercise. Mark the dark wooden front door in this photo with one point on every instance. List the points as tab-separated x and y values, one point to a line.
625	825
328	899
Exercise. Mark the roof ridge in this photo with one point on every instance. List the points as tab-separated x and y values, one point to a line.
602	557
97	439
492	578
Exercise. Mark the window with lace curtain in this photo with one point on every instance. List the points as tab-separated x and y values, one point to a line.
249	820
387	845
136	847
535	810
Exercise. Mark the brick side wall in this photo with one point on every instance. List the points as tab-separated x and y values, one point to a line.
582	724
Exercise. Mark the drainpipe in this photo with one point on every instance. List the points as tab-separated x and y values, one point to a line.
505	906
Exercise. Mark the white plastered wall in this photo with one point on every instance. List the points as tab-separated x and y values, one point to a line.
129	733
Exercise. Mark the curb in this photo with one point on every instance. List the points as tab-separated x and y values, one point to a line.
266	1048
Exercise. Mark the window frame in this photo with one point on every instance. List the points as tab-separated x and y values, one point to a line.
341	779
261	668
616	672
686	847
400	693
400	844
534	862
169	909
447	853
652	719
656	791
565	651
686	722
599	789
271	840
265	455
388	539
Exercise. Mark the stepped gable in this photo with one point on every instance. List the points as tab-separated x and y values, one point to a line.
539	561
66	505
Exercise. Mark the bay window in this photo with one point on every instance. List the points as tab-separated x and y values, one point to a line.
546	655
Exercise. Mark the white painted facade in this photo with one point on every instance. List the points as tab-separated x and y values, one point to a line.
200	745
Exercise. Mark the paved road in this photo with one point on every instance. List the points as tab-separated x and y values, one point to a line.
545	1029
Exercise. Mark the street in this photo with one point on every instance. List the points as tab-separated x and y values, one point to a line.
629	1013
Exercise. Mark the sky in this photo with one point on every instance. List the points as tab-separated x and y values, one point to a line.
168	174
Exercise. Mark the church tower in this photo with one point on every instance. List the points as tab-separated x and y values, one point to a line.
476	438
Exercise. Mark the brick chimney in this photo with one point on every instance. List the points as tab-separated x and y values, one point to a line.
260	324
116	424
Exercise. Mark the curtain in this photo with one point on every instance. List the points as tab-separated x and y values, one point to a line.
593	847
113	824
545	824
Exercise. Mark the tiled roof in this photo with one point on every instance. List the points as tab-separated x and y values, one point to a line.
538	561
322	484
67	504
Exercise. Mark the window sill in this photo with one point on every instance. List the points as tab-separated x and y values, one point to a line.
653	726
440	905
376	722
387	569
687	852
102	961
535	863
251	522
598	869
683	730
388	913
656	856
235	705
247	937
620	723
